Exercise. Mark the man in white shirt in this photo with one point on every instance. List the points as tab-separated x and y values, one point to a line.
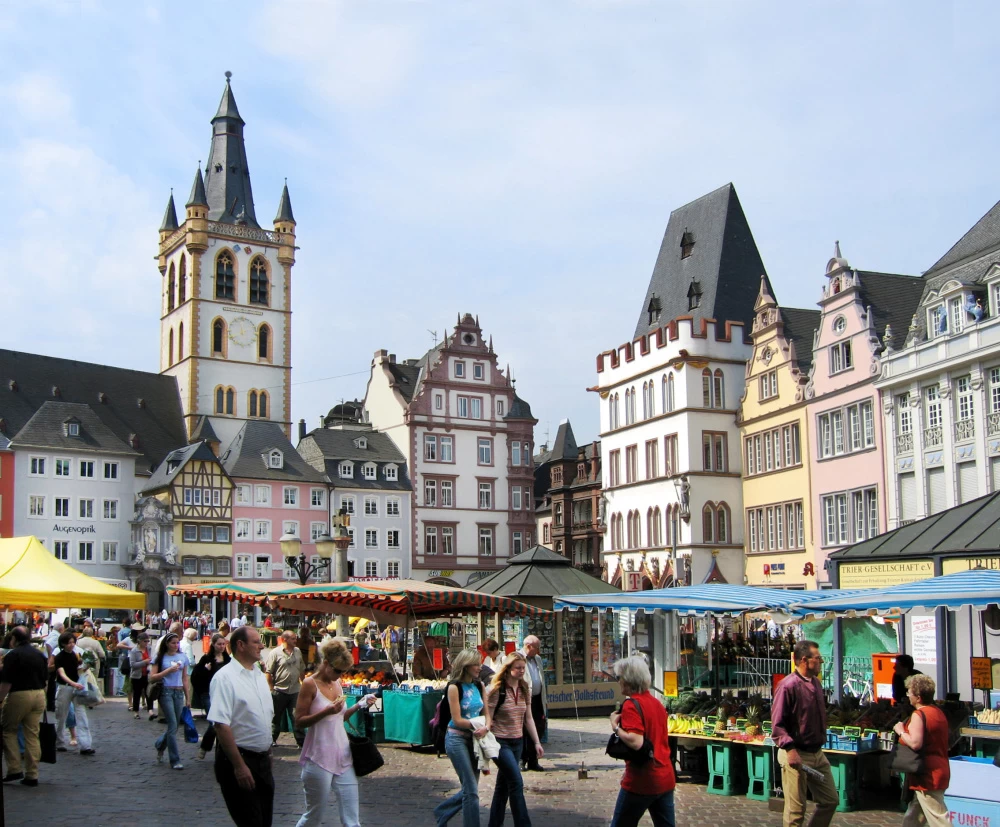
241	710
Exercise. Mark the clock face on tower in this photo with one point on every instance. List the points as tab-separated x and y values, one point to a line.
242	331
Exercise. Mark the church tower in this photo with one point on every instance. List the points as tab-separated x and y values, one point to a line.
225	326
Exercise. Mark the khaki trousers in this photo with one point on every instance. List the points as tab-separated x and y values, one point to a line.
22	709
927	807
795	785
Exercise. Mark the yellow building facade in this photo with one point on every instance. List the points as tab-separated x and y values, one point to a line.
777	513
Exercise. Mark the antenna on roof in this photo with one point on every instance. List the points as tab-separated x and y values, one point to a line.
434	337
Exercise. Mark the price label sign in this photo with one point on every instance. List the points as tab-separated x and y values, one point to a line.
438	657
982	673
670	684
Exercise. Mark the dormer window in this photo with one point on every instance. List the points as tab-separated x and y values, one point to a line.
361	442
275	459
370	471
694	295
71	427
687	244
346	470
654	308
391	472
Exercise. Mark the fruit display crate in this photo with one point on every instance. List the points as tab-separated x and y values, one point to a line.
975	723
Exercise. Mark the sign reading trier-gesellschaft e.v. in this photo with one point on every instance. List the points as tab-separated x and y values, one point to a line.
877	575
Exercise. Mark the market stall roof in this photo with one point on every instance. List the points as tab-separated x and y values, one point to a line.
717	598
253	592
540	572
392	601
970	527
977	588
31	578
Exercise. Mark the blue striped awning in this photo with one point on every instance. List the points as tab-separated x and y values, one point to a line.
977	588
717	598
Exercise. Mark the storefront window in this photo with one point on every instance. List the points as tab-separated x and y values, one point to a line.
544	630
605	646
572	647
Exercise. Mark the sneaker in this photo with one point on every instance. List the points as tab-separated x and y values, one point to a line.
159	754
73	742
29	782
137	716
177	766
201	755
13	776
87	751
61	749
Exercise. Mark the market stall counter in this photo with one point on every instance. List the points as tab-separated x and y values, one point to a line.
408	713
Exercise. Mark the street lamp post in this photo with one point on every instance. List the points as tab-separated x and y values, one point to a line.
336	547
295	559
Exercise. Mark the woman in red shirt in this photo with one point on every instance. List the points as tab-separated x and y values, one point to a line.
926	732
648	786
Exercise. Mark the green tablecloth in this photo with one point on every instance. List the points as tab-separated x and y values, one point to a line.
407	714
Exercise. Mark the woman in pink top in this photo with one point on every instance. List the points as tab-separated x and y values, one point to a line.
326	753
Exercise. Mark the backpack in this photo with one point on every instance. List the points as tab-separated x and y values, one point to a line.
442	717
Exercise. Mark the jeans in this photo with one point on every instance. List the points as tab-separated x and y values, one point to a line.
316	782
509	785
466	800
172	704
630	807
64	697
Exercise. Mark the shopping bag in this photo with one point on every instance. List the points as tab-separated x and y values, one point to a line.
364	755
86	697
47	739
190	732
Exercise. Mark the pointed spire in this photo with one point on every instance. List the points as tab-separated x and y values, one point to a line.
491	343
227	173
836	249
765	296
285	206
197	197
227	106
169	215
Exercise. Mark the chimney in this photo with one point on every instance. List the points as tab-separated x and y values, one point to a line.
302	429
392	358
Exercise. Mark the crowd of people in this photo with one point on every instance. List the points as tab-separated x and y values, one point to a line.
497	718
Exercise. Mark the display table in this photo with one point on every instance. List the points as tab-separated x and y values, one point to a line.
985	741
407	715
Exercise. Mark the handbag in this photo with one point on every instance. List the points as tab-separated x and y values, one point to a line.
364	755
906	759
190	731
47	739
86	697
153	695
618	749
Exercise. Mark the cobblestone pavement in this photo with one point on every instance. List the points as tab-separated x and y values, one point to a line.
401	794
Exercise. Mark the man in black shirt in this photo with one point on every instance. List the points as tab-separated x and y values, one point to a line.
901	670
22	693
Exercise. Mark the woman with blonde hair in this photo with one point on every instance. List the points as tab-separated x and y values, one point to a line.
465	695
188	648
927	733
326	753
509	703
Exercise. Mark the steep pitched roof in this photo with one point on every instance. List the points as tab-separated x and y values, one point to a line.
245	456
169	223
540	572
800	327
126	401
983	236
174	462
47	429
197	198
519	409
724	265
405	375
204	432
227	173
331	445
893	300
565	445
284	207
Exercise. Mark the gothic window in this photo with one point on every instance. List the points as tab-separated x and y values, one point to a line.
170	349
180	342
225	400
225	277
257	404
170	288
230	401
182	282
264	343
218	338
252	406
258	281
220	397
262	405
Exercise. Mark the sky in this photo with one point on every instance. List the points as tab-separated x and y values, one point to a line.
513	159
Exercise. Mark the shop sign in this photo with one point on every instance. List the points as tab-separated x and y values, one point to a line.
774	570
566	696
950	565
923	640
670	684
982	673
633	581
879	575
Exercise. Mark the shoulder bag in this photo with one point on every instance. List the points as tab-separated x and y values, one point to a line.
47	739
364	755
617	748
906	759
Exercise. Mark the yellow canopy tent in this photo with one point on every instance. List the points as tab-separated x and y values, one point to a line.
31	578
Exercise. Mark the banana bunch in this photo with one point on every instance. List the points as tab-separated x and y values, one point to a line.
684	725
988	716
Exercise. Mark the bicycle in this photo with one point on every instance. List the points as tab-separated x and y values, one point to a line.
862	690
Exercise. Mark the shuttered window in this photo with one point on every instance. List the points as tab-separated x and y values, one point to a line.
935	491
907	497
968	484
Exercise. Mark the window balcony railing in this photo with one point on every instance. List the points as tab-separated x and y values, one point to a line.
993	423
933	436
965	429
904	444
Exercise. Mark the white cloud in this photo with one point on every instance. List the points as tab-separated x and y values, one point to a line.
37	98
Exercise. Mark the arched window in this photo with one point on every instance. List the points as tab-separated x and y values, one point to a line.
220	399
230	401
262	412
636	526
264	343
252	404
656	537
630	406
182	282
180	342
170	287
718	390
225	276
613	412
722	524
170	349
218	338
706	388
258	281
708	524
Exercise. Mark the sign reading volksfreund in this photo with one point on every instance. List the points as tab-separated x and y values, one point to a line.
955	564
877	575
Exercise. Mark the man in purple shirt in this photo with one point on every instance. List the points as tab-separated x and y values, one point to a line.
798	726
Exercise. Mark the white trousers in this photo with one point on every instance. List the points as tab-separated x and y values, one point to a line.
927	808
64	697
317	783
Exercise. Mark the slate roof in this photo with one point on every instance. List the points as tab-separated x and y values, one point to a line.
46	429
983	236
245	456
284	207
405	375
174	462
540	572
519	409
800	326
565	445
197	198
326	447
724	262
893	300
204	431
227	173
970	527
169	223
157	423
